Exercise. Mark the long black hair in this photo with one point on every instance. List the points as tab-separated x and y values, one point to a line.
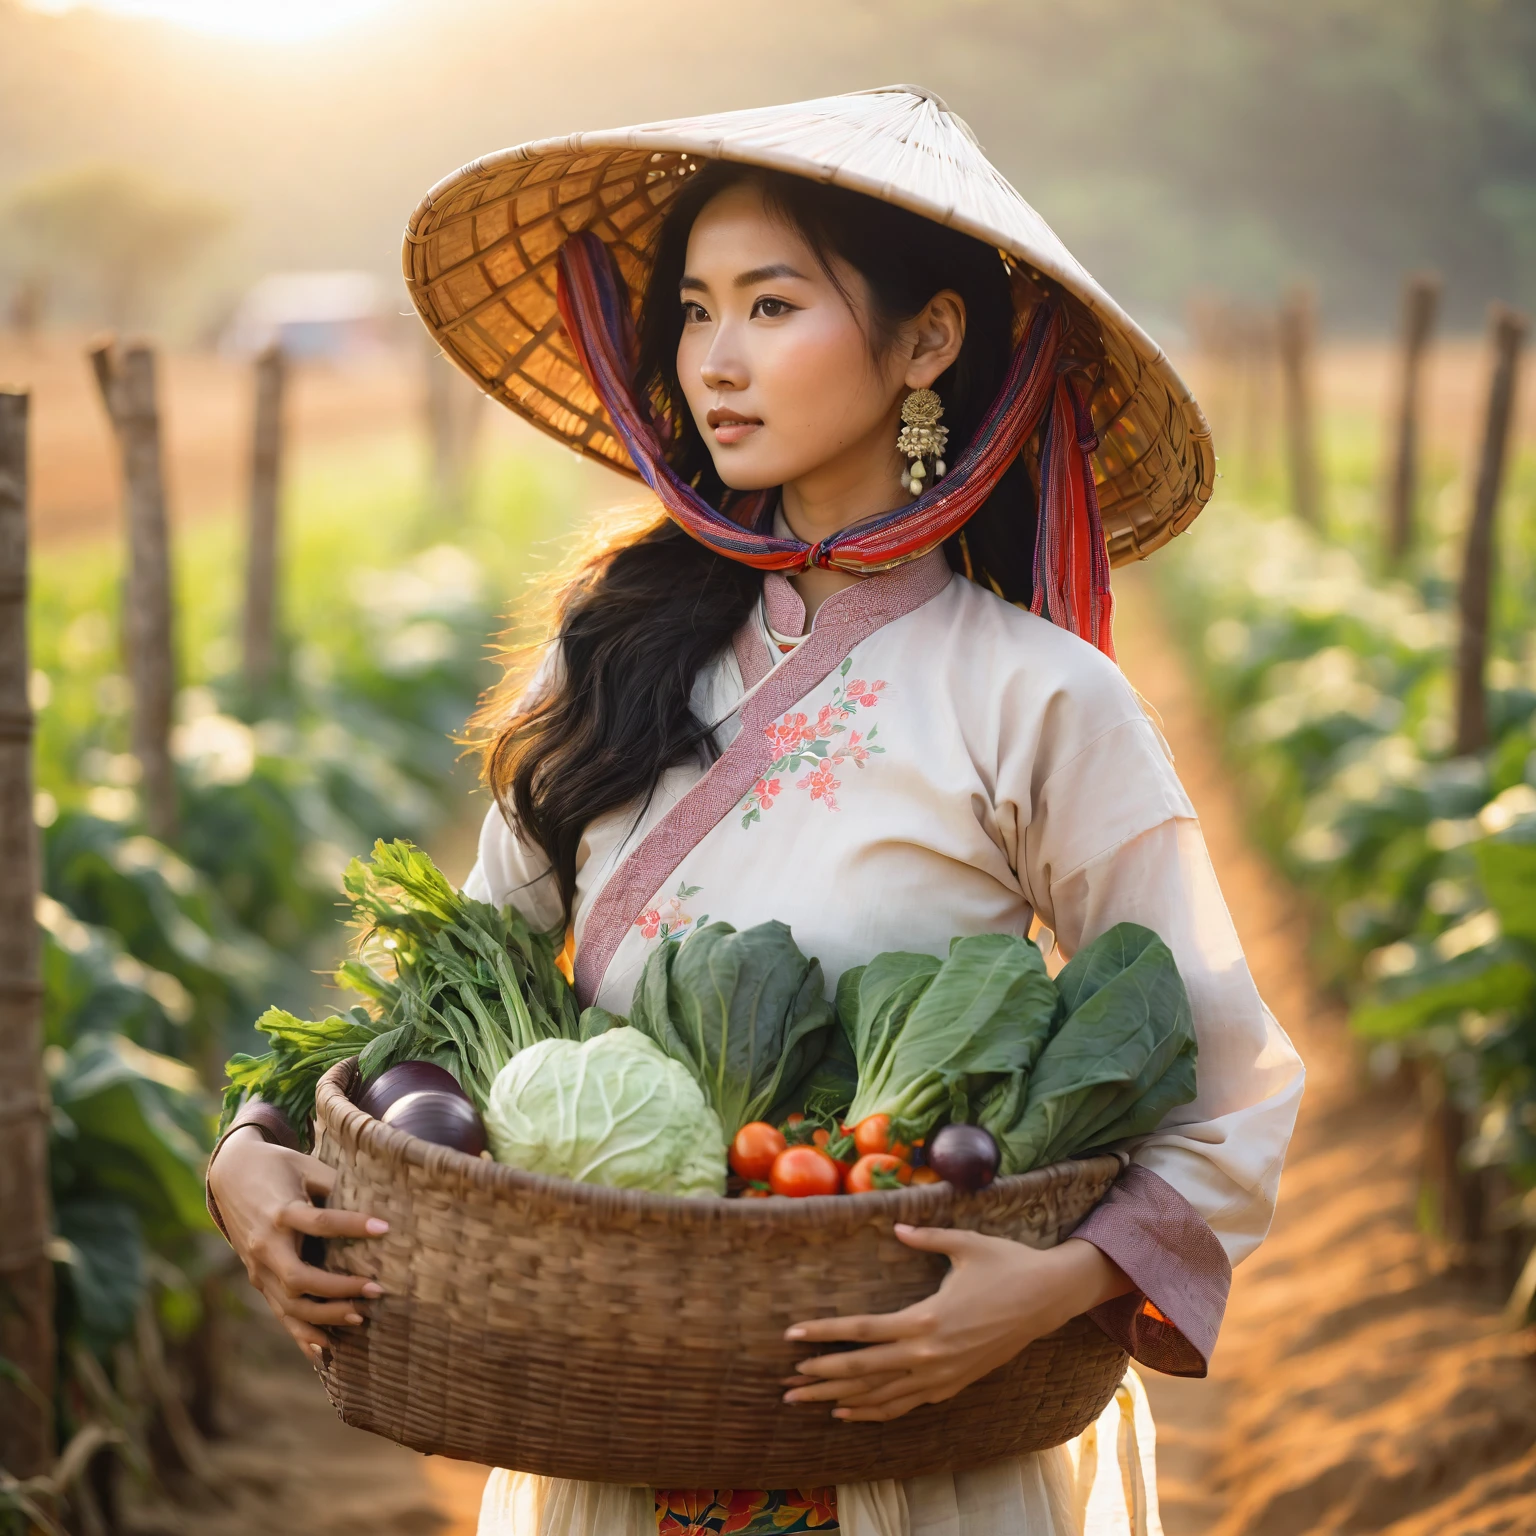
637	624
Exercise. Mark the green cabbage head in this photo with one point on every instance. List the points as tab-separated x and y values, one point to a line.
611	1110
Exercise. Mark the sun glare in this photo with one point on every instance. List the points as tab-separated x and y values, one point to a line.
269	20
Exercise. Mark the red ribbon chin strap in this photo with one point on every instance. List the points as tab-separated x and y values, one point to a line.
1071	585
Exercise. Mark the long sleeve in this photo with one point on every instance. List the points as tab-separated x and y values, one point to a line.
1200	1192
511	871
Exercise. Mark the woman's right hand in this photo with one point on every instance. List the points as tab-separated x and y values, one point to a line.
266	1195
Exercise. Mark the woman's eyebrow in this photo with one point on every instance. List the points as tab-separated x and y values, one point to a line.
763	274
688	283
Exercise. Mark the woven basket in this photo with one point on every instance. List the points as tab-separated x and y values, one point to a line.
616	1336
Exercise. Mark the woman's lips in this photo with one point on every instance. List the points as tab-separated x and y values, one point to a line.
728	427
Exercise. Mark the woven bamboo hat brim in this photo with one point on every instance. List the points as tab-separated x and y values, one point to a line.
480	265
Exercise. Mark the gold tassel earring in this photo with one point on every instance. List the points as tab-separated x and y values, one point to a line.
921	439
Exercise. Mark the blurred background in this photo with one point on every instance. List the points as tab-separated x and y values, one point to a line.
1325	210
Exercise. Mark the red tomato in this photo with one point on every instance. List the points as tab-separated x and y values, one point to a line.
877	1170
873	1134
754	1149
801	1171
754	1192
795	1119
925	1176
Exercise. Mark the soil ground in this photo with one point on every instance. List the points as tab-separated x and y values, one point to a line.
1359	1385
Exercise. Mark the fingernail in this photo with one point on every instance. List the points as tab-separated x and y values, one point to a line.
839	1413
354	1317
316	1350
791	1397
904	1226
376	1227
372	1289
794	1333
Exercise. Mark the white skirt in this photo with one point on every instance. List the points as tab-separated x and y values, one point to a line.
1104	1483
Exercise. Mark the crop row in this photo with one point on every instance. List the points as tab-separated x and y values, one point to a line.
1335	693
157	958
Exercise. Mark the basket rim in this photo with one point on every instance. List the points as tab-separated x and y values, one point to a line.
925	1205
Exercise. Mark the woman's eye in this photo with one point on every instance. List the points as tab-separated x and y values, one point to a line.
693	314
772	309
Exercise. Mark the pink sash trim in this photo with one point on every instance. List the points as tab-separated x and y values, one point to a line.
846	618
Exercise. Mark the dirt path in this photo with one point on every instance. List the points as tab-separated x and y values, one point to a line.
1356	1389
1357	1386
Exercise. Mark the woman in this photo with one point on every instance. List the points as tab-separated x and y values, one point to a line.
862	681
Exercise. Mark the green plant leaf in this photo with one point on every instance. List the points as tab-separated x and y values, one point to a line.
100	1252
1486	979
923	1030
744	1012
1120	1060
140	1125
1507	864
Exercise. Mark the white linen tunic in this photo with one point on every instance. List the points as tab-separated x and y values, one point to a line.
932	761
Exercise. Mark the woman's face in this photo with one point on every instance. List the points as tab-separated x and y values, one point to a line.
775	362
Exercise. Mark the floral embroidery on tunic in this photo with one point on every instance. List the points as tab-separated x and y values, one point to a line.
805	743
668	921
745	1512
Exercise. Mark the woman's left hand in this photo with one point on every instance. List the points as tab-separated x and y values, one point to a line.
998	1297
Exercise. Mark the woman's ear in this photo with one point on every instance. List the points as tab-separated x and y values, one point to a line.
938	333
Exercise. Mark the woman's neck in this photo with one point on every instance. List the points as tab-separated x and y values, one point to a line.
860	485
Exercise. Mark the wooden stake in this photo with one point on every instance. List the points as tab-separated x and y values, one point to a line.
128	390
455	409
26	1272
1421	301
1506	330
1257	350
1298	330
262	551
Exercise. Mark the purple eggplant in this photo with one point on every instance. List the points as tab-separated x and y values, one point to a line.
403	1078
964	1156
448	1119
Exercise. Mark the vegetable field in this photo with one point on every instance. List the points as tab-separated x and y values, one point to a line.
1335	670
158	956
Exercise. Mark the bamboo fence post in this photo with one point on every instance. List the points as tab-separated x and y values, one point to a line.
1256	343
454	412
1297	339
1421	302
26	1271
1507	333
128	390
262	551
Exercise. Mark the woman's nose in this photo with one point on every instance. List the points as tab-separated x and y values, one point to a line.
723	366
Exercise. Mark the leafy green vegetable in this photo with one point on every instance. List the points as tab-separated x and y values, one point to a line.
613	1110
743	1012
302	1053
827	1089
472	985
1121	1058
930	1034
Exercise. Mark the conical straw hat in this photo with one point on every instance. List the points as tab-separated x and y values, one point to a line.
480	264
